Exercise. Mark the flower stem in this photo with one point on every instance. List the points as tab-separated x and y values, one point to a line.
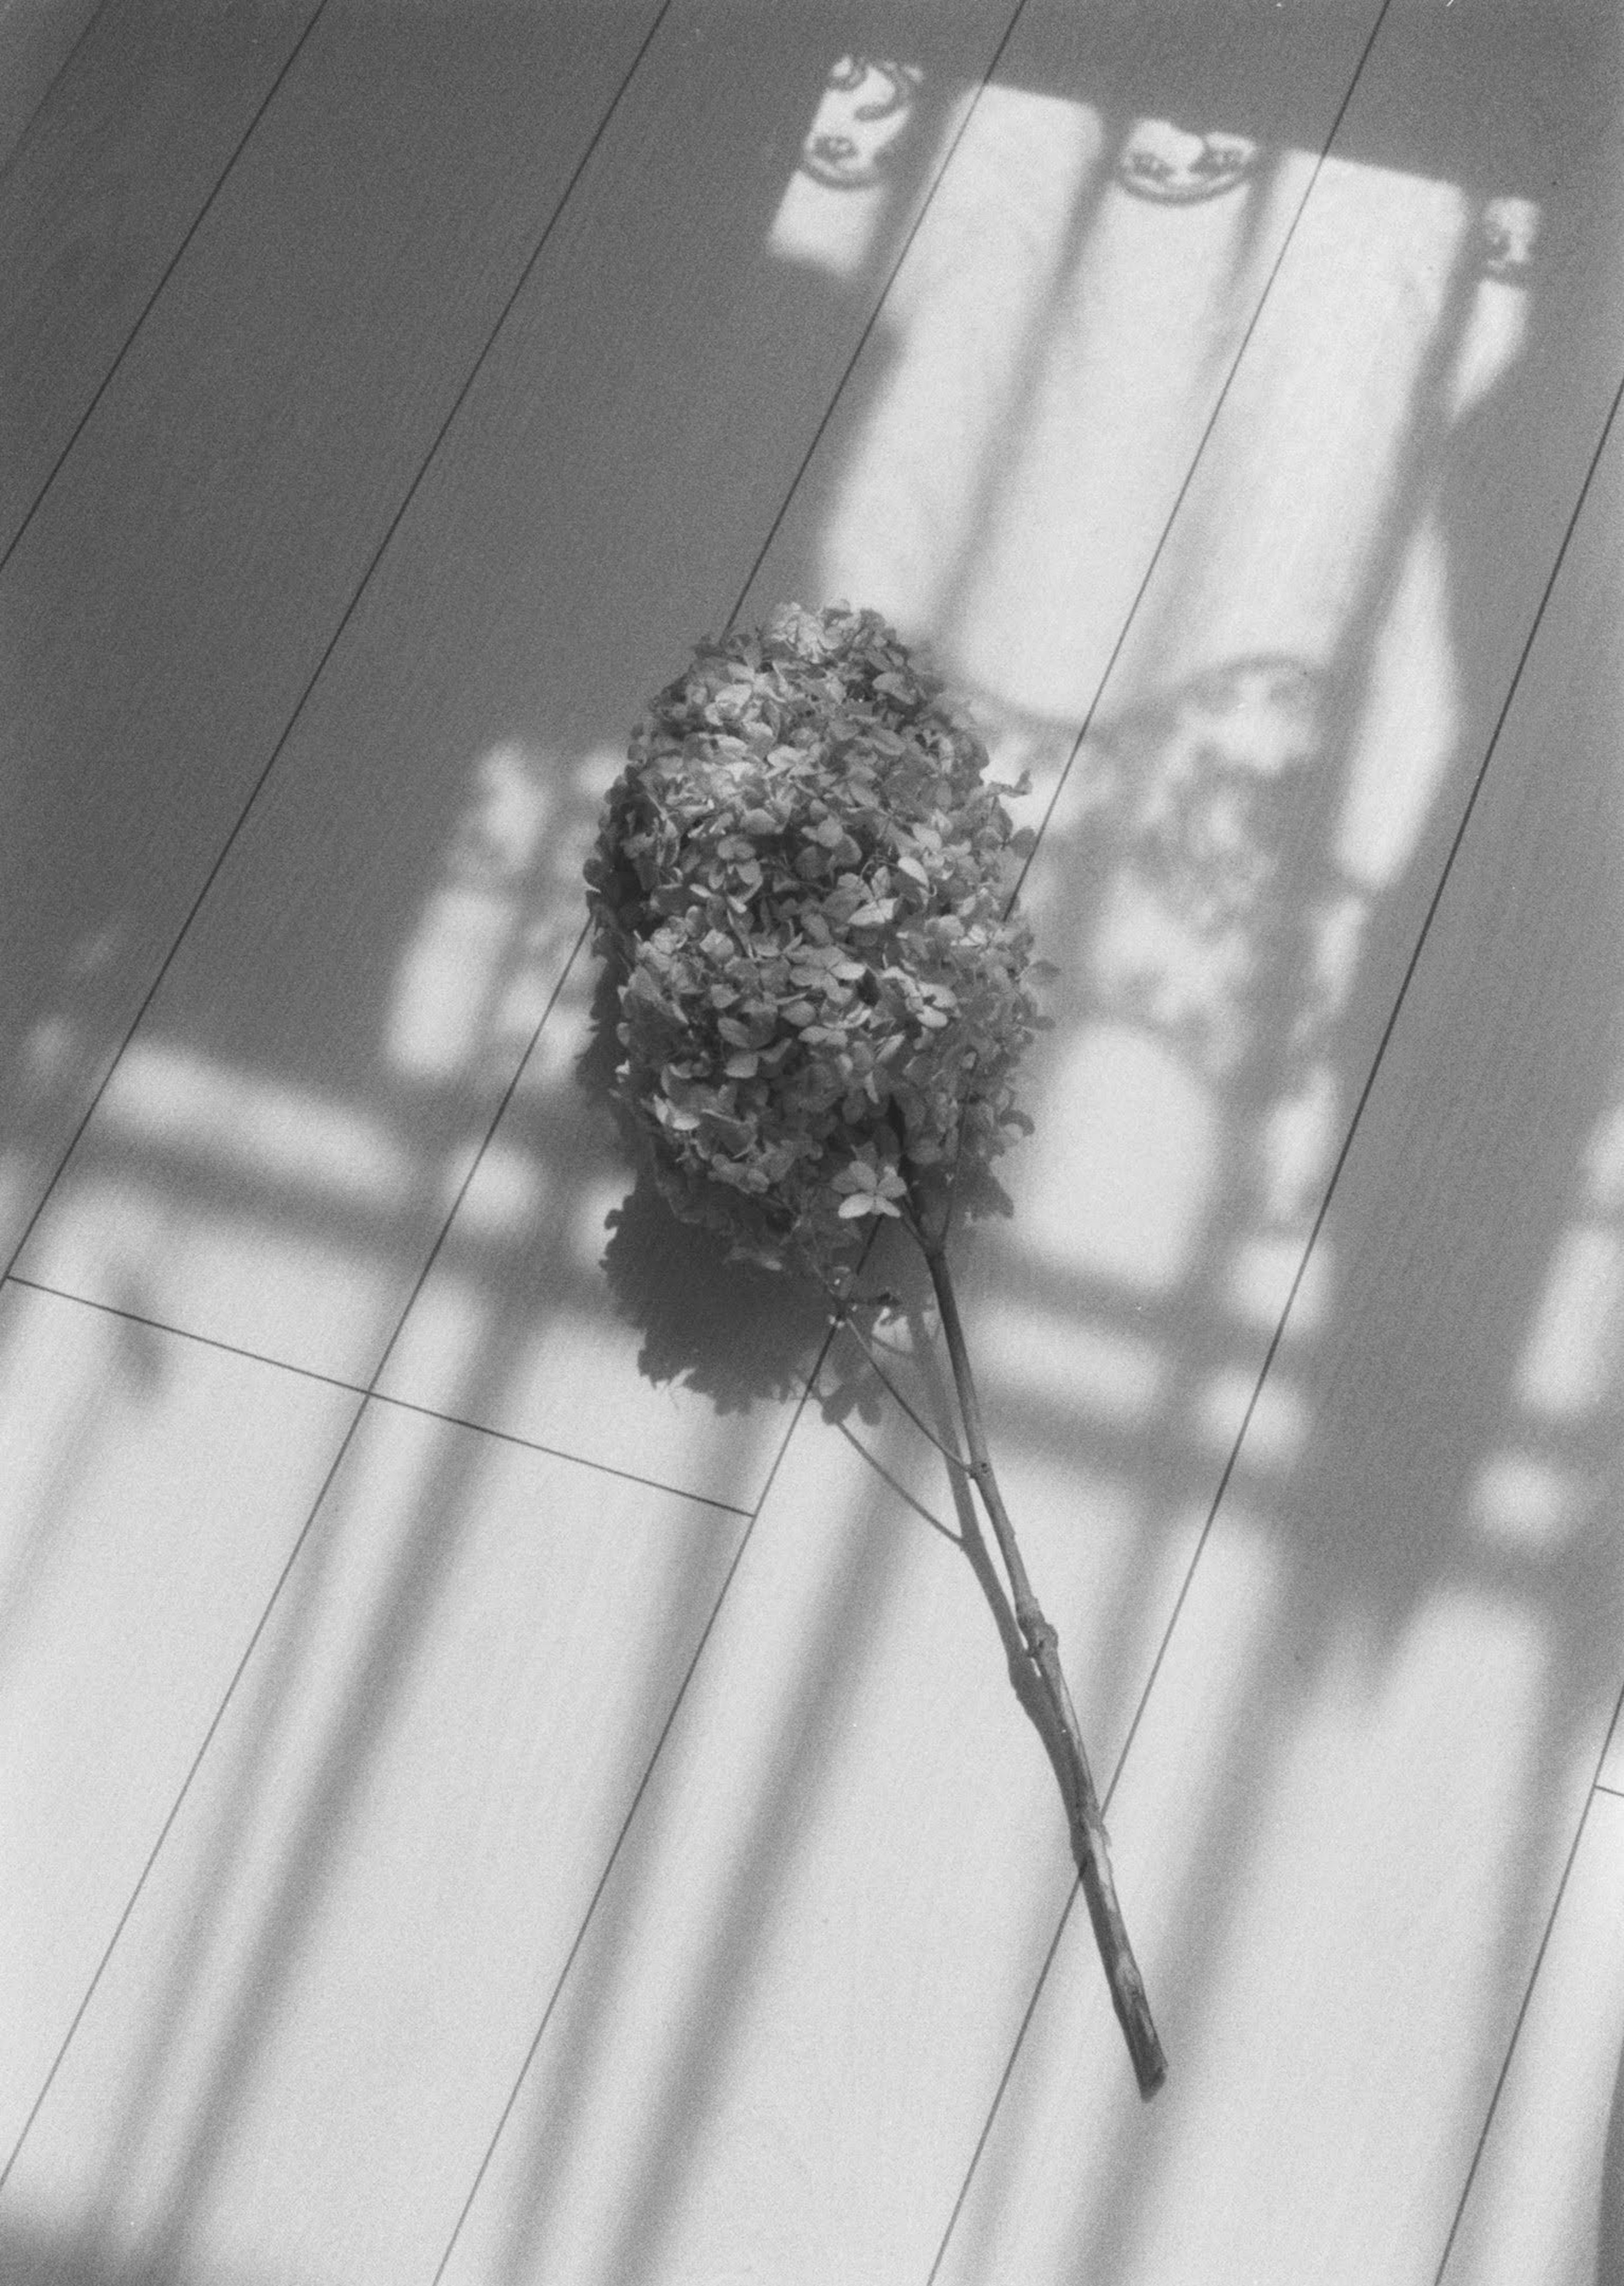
1089	1844
851	1326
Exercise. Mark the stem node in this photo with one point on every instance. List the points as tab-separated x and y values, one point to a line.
1058	1725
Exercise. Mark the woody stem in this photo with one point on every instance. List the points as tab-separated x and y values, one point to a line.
1088	1843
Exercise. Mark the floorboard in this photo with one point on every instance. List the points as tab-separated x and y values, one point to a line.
167	608
151	1492
127	150
305	2040
621	1855
1545	2200
987	211
38	38
1612	1762
1359	1772
422	834
836	1893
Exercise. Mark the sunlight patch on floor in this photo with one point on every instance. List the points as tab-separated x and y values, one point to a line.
1121	1190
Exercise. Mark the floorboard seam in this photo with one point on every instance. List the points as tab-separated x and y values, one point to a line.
193	228
85	30
344	619
1444	874
374	1396
1598	1785
625	1826
1505	2064
261	1624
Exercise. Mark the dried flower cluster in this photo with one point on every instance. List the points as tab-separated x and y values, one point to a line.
804	880
805	876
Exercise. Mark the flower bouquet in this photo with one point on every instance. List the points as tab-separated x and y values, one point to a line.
805	883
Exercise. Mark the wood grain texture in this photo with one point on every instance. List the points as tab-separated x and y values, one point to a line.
1547	2199
304	2040
167	608
151	1491
128	148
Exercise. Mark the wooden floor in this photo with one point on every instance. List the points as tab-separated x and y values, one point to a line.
498	1784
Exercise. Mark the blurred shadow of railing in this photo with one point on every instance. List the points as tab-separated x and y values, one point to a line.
1237	868
1610	2229
1225	883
